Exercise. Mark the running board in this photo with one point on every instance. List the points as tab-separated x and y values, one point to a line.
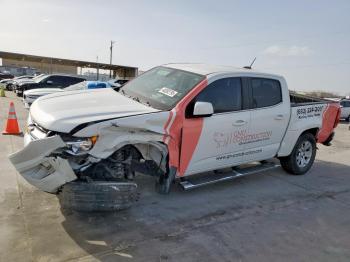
204	179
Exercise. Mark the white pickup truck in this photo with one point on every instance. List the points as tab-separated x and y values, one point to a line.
177	122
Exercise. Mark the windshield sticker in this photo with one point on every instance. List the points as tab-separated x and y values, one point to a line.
167	91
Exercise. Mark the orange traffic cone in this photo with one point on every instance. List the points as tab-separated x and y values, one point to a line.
12	124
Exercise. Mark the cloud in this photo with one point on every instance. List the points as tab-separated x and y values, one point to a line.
276	50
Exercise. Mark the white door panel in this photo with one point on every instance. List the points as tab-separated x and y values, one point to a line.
220	144
268	122
267	128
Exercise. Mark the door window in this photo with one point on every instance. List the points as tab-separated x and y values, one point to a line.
72	81
345	103
224	94
266	92
57	81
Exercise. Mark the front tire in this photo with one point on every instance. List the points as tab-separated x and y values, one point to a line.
98	195
302	156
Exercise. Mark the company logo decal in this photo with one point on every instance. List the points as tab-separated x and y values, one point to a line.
241	137
307	112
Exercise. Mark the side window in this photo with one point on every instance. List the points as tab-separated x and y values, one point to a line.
224	94
72	80
266	92
56	80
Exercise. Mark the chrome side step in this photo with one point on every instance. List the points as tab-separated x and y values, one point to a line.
212	178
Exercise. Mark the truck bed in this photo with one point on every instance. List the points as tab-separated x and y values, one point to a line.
307	112
299	100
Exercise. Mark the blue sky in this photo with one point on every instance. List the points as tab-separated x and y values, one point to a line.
306	41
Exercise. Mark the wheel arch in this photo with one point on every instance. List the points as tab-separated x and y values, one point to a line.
291	138
313	131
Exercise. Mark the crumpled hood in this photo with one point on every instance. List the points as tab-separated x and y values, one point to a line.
63	111
42	91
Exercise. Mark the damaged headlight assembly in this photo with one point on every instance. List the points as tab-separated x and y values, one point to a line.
81	146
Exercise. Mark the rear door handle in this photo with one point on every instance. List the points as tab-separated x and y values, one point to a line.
239	123
279	117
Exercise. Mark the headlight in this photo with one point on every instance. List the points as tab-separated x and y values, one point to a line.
82	145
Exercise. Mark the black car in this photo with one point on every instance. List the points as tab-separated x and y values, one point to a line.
47	81
5	76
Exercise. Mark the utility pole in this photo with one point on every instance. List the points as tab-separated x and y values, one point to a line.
97	75
110	58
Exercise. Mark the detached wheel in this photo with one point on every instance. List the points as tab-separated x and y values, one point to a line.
98	195
302	156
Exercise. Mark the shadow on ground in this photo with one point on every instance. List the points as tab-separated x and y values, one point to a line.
223	222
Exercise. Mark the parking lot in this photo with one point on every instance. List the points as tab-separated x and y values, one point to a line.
270	216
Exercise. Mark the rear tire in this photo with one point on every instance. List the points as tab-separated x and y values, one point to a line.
302	156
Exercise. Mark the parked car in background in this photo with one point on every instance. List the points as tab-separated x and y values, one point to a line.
118	82
47	81
31	95
171	122
9	83
4	75
345	109
3	82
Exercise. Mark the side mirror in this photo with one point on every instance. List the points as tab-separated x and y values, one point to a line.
203	109
49	82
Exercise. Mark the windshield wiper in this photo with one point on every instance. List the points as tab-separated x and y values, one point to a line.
136	99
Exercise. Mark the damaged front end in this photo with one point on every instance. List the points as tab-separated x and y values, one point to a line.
50	162
39	165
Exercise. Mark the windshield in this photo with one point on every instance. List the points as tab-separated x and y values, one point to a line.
161	87
38	78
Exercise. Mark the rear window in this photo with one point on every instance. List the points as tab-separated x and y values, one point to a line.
266	92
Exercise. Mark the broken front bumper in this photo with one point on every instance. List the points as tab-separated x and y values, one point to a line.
34	163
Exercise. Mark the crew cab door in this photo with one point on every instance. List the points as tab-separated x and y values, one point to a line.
216	137
270	112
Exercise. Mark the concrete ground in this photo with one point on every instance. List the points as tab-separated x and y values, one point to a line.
270	216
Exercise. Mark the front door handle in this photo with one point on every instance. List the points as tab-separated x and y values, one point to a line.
239	123
279	117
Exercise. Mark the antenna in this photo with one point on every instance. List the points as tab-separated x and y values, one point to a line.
250	67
